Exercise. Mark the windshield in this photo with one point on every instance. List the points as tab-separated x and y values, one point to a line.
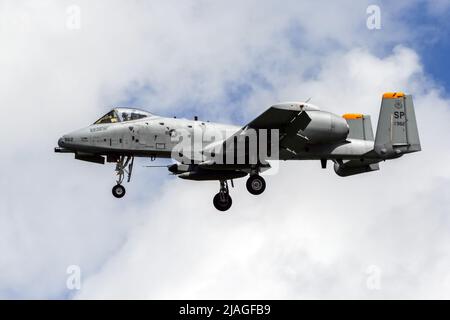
122	115
110	117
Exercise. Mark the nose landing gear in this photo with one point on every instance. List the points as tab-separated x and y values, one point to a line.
118	190
222	201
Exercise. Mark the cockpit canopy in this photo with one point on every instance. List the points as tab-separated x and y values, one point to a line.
122	115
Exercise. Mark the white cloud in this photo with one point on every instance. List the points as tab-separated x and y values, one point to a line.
312	234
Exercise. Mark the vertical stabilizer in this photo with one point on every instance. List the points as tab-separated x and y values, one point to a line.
397	131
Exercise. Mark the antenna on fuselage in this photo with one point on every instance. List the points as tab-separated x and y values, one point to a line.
308	100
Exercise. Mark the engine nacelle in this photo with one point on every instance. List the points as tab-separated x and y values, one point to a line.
325	127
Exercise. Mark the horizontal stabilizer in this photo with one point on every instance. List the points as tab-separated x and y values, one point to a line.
360	126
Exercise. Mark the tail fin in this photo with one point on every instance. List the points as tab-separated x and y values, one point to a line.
397	127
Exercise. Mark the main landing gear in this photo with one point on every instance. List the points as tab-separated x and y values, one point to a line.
124	167
222	201
256	184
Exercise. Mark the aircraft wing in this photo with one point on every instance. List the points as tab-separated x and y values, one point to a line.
290	119
277	117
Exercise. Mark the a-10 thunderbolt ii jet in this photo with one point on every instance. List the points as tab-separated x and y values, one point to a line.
211	151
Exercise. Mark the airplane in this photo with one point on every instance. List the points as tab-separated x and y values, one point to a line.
212	151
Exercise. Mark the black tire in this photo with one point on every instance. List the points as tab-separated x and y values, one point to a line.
222	201
256	185
118	191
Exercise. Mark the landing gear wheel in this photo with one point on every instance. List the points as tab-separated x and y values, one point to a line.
256	184
118	191
222	201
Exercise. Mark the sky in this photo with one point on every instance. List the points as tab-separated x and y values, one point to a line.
312	234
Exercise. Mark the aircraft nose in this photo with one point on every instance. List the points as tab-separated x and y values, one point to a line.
61	142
